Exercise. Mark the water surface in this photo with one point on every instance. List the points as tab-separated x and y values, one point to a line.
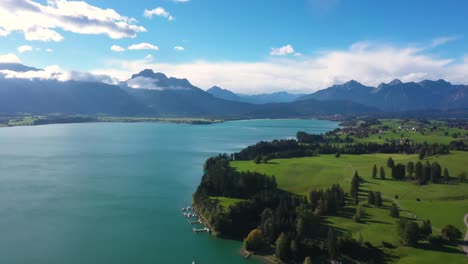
111	192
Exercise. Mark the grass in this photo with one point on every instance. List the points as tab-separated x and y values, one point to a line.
226	201
441	203
442	134
161	119
25	121
29	120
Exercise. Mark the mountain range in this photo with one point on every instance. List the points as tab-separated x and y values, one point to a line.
278	97
149	93
397	96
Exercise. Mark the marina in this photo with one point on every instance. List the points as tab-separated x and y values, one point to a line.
195	220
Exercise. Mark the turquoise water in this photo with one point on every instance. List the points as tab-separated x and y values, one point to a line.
112	193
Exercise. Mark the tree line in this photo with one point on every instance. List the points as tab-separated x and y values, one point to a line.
290	148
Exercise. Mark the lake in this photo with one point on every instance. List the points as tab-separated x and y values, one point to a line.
111	192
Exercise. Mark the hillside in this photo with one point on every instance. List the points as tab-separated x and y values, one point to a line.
50	96
178	97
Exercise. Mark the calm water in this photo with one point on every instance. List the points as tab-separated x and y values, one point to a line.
112	193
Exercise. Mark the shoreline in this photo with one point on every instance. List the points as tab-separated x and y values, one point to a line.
20	121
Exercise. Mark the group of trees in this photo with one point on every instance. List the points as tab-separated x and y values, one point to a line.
330	137
220	179
322	145
411	232
327	202
420	173
374	198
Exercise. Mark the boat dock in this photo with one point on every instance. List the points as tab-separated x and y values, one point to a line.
194	219
196	230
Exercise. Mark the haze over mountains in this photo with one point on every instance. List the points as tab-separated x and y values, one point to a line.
154	94
278	97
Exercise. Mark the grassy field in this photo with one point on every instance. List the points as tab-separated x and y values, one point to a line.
441	203
437	132
226	201
161	119
58	119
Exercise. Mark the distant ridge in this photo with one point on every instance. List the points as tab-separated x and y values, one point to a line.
277	97
398	96
17	67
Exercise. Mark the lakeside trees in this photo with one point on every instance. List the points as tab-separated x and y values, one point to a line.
254	240
290	148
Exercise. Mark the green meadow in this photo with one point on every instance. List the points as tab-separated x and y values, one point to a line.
225	201
436	132
441	203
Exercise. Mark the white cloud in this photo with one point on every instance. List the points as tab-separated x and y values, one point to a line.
442	41
179	48
142	83
55	72
159	11
41	22
49	50
9	58
367	62
181	1
143	46
117	48
4	32
42	34
282	51
24	48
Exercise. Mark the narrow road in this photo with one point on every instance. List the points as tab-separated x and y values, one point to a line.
464	244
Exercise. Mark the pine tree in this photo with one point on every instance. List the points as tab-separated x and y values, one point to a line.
331	244
390	162
378	199
446	175
382	173
426	228
422	153
355	187
371	198
257	159
374	172
436	172
410	168
394	211
419	173
282	247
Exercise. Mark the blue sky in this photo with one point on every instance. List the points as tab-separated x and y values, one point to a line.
246	46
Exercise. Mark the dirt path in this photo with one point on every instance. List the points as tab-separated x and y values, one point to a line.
464	244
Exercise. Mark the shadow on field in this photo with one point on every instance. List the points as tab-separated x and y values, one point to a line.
439	248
